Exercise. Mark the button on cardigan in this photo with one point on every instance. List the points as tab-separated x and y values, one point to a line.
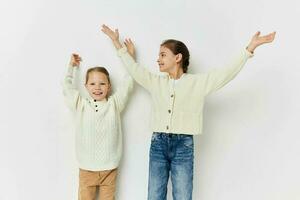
178	108
98	124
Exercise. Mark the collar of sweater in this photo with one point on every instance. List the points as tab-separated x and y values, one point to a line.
95	102
182	75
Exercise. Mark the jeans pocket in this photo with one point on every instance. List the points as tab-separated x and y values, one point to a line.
154	137
188	142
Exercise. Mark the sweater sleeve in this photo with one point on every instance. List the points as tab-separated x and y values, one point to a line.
217	78
140	74
122	93
70	92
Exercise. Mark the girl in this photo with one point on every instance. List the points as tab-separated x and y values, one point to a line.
98	128
178	99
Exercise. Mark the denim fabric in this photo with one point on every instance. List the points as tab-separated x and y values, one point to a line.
171	154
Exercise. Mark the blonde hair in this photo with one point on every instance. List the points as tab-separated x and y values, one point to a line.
97	69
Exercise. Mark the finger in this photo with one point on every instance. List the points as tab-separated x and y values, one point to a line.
76	57
257	33
126	42
104	26
104	30
271	37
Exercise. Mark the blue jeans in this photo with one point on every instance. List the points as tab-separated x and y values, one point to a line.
171	153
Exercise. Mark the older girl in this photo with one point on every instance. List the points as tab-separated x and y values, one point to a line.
178	99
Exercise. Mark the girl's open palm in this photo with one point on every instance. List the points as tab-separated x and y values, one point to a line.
114	35
263	39
130	47
258	40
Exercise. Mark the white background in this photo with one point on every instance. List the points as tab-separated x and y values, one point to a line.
250	148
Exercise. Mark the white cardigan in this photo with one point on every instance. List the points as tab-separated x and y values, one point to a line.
179	109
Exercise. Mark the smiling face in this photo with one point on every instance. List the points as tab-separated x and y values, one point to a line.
166	59
97	85
173	57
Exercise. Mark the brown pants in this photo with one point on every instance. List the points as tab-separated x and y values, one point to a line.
90	180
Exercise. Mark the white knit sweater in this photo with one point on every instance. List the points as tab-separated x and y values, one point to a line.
98	124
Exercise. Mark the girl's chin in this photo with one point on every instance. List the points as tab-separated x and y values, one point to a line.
98	98
164	69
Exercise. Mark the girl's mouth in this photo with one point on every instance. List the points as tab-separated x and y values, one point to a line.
98	93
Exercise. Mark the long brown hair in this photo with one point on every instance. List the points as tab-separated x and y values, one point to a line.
179	47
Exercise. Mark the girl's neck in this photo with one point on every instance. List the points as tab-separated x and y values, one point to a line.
176	74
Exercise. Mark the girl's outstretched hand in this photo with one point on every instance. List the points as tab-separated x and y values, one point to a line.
114	35
130	47
259	40
75	60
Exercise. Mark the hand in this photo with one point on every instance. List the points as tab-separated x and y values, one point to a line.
75	60
259	40
130	47
114	35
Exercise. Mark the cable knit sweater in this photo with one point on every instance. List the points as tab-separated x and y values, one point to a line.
179	109
98	124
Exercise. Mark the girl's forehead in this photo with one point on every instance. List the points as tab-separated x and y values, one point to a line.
97	76
164	49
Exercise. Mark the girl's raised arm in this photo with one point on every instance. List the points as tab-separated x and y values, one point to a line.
71	94
140	74
122	93
217	78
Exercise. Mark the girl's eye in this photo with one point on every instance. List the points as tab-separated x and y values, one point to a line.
102	84
92	83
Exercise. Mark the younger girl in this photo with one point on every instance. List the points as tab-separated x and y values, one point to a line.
98	128
178	99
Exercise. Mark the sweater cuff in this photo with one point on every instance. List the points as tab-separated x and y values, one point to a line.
70	70
121	51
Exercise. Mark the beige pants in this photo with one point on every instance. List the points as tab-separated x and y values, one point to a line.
90	180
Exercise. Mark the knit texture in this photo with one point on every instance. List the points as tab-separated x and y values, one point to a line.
98	124
179	109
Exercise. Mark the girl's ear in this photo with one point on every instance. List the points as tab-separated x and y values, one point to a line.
178	58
